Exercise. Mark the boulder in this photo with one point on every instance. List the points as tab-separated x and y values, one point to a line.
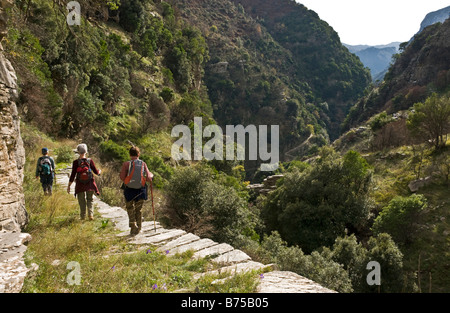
415	185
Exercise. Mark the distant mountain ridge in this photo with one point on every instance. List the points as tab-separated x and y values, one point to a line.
376	58
357	48
421	68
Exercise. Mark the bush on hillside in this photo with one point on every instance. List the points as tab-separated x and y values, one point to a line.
401	218
198	202
315	205
64	154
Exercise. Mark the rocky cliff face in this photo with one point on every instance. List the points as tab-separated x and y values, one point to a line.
13	215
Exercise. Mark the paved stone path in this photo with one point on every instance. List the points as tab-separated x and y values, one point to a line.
12	266
228	259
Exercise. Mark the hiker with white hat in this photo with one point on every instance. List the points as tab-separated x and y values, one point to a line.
83	170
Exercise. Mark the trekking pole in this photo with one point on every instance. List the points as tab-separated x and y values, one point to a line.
153	205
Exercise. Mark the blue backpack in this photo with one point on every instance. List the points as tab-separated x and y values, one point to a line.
45	166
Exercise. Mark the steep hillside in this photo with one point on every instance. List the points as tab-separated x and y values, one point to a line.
121	75
143	66
256	76
320	60
420	69
248	76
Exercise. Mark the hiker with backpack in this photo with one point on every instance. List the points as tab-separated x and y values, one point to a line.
45	170
83	170
134	175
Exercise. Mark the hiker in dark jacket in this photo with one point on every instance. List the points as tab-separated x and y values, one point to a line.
135	174
45	170
83	169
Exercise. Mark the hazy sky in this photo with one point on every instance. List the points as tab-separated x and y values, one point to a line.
374	22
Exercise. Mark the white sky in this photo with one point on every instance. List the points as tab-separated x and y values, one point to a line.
374	22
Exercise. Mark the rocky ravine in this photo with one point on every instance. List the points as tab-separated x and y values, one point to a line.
13	216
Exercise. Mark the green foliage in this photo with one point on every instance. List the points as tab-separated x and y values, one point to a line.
379	121
315	267
431	119
190	106
64	154
401	218
130	14
111	151
187	57
198	201
167	94
354	258
383	250
313	207
161	171
39	100
88	108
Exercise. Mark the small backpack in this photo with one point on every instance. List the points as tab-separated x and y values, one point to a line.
84	172
45	166
136	177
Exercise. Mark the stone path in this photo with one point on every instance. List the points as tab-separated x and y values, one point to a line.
227	259
12	266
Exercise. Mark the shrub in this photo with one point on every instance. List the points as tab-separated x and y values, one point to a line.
64	154
431	119
199	201
161	171
111	151
183	196
225	210
354	258
401	218
167	94
379	121
383	250
314	206
315	266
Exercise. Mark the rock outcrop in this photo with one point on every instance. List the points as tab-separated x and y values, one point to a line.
13	215
415	185
269	184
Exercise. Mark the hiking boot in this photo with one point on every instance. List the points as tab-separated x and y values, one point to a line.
139	226
134	229
91	218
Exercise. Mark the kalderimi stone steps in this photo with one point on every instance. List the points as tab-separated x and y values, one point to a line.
228	259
